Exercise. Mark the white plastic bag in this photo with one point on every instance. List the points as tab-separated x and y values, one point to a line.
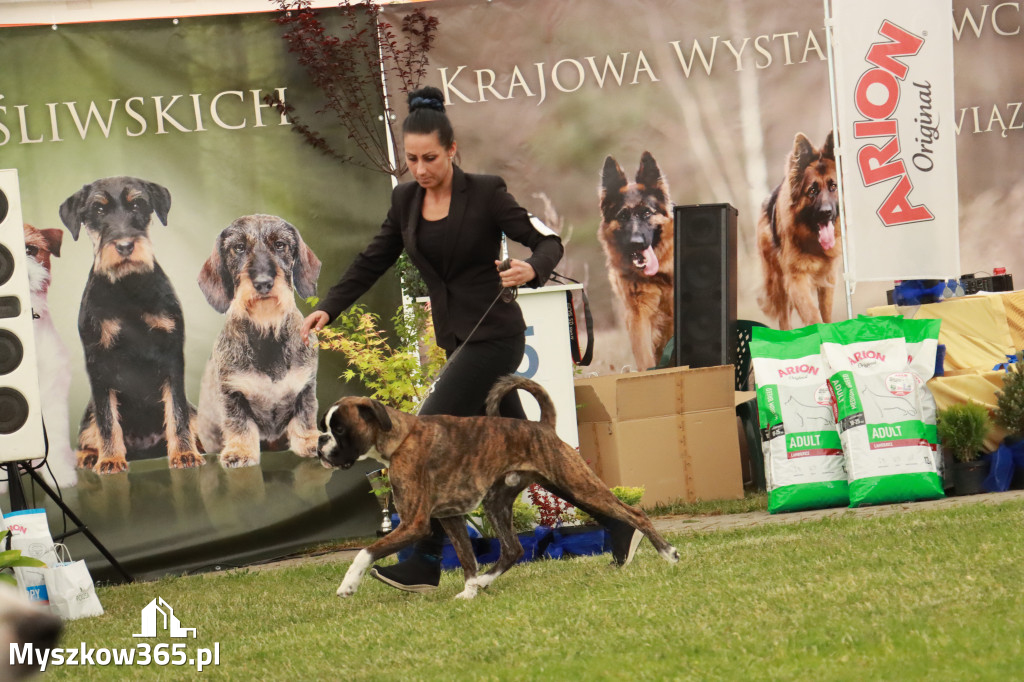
70	588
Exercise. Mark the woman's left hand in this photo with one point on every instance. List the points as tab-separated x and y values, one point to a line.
517	275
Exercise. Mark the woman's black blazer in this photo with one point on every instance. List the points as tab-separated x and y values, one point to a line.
467	281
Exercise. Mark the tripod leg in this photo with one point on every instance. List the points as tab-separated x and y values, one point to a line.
15	491
78	522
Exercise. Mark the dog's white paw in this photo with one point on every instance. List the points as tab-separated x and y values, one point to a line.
354	574
304	444
474	585
482	582
236	460
468	592
349	585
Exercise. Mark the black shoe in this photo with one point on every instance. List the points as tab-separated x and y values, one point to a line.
625	540
419	573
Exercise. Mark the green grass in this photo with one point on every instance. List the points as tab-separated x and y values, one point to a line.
922	595
751	501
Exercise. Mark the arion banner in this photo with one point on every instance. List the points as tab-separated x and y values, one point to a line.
896	115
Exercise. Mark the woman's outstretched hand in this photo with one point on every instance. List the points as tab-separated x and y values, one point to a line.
315	321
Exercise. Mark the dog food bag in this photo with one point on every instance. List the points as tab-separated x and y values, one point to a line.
804	463
30	533
922	348
878	408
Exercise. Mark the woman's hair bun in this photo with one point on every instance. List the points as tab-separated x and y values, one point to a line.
426	116
426	98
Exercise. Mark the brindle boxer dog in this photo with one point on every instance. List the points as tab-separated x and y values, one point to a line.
443	467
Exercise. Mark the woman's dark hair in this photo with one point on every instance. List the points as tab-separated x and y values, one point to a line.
426	115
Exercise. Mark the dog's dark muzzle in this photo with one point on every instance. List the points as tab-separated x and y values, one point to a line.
328	452
825	215
263	271
640	238
263	284
122	244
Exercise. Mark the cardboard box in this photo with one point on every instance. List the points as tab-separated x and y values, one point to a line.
672	431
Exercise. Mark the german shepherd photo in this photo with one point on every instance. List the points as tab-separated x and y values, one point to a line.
636	233
798	237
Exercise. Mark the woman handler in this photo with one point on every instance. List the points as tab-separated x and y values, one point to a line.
451	223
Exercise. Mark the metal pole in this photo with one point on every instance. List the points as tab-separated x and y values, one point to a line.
848	284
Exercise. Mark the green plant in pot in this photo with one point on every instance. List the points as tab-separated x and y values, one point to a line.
962	428
1009	412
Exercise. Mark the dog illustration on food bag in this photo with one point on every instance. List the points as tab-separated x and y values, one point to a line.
259	387
637	235
798	237
132	331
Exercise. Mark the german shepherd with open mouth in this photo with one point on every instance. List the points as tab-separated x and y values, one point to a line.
798	236
637	235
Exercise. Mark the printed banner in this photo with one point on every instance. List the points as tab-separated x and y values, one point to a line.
175	223
579	102
895	109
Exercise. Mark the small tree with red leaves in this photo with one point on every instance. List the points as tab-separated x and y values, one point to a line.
349	71
552	511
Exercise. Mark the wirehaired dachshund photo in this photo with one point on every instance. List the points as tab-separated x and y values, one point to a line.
259	388
132	331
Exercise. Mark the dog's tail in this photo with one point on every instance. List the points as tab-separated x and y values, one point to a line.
511	382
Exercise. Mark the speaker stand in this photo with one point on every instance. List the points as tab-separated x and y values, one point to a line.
18	503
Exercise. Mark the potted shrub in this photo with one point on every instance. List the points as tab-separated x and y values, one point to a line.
962	428
1009	414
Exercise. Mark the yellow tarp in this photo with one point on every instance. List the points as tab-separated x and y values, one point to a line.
978	331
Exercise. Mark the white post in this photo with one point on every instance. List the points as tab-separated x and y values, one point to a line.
848	284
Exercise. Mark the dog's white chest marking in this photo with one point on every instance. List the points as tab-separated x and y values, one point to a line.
373	453
262	390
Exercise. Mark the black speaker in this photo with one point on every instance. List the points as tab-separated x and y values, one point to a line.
21	422
705	285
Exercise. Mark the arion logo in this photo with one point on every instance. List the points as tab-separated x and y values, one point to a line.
159	614
862	357
877	94
794	370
